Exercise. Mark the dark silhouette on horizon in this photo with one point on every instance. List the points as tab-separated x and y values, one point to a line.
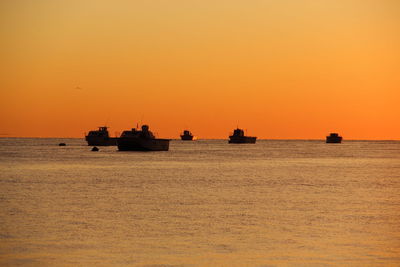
141	140
238	137
187	135
334	138
100	137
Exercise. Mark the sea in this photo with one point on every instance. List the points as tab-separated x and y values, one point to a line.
202	203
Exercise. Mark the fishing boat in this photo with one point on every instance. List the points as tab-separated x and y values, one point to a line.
100	137
187	135
238	137
334	138
141	140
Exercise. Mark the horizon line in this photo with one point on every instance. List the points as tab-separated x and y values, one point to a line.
282	139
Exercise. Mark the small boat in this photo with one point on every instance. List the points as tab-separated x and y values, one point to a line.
187	135
100	137
141	140
334	138
238	137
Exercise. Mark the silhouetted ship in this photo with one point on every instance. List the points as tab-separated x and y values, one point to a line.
334	138
141	140
238	137
100	138
187	135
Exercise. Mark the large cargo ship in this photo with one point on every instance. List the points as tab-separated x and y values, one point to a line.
141	140
100	138
334	138
187	135
238	137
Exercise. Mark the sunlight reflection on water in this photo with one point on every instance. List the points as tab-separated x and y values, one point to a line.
203	203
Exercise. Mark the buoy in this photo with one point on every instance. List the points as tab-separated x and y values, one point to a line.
62	144
95	148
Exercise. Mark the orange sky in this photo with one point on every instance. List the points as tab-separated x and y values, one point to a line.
280	69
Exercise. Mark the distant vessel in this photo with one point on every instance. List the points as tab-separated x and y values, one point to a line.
141	140
238	137
187	135
334	138
100	138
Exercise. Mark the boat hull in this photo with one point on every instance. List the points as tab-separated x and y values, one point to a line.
333	140
242	140
141	144
101	141
187	137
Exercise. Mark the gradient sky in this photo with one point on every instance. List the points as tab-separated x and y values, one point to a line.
280	69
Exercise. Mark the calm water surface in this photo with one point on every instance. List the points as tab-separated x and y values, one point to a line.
203	203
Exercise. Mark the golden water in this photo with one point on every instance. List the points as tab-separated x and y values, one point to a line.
203	203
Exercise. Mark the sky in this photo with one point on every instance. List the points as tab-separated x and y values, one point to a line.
287	69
